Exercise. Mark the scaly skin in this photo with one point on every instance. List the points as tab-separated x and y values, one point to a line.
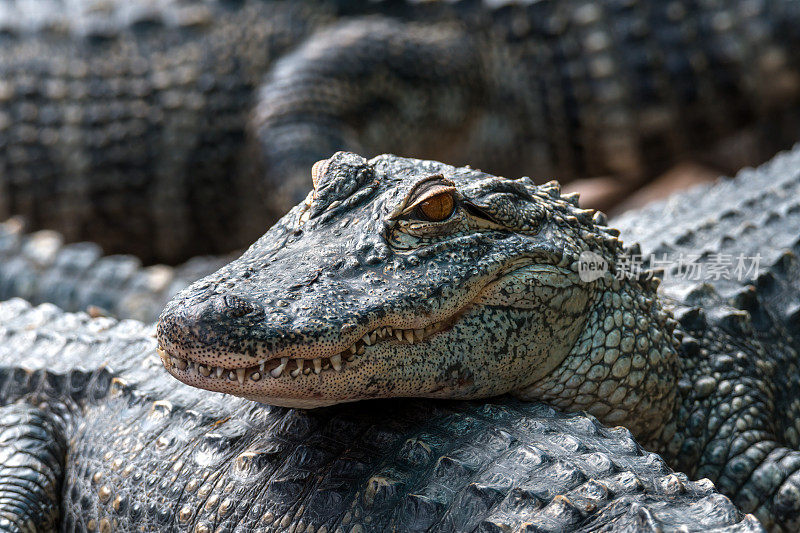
39	267
170	129
488	300
145	453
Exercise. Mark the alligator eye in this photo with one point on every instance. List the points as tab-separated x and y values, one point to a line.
438	207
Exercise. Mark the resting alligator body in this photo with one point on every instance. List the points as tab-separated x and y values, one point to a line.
94	436
124	123
401	277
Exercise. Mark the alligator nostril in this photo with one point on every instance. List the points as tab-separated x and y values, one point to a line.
236	307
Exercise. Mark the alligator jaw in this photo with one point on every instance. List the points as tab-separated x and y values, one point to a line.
297	371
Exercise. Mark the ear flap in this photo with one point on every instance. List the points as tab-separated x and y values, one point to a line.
509	203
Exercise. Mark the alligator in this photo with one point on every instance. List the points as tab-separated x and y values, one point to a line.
144	451
94	436
401	277
174	128
39	267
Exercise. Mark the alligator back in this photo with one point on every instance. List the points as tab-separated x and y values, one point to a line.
754	216
39	267
731	274
117	119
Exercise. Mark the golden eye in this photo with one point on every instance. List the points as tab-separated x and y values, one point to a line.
438	207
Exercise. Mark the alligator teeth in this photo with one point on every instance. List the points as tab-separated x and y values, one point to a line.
410	335
278	370
304	366
297	371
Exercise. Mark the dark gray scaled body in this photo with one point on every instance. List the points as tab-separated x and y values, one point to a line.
739	422
177	129
39	267
146	452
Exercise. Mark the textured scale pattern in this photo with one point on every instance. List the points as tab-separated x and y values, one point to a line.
741	339
39	267
121	119
32	449
147	452
170	129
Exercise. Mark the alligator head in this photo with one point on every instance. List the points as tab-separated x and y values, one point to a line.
401	277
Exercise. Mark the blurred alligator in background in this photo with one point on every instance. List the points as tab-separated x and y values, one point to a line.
173	128
95	436
407	278
39	267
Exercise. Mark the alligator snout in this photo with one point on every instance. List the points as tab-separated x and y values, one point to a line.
199	322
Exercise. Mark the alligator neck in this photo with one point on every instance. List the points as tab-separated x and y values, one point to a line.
624	367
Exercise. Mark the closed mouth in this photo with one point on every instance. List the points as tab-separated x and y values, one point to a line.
295	367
